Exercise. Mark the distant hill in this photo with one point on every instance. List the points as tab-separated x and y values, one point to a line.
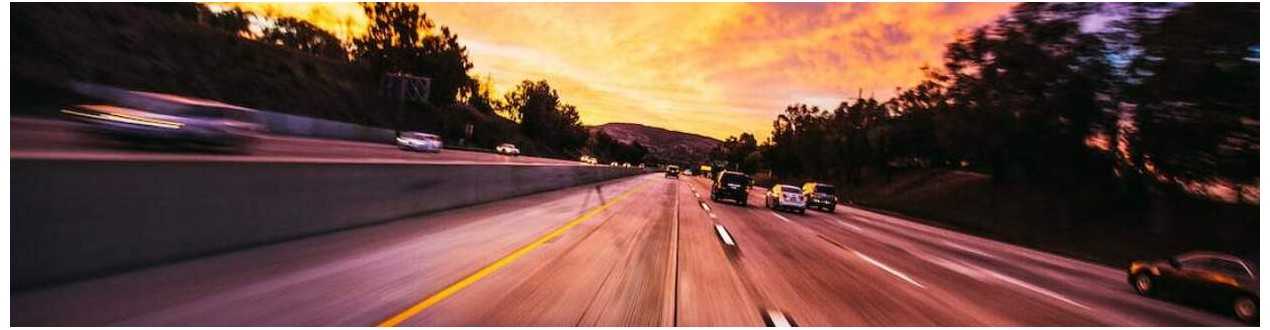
678	147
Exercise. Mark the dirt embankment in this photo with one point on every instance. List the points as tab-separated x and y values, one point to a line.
1092	224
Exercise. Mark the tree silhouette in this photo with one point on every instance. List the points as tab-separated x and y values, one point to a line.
401	38
541	114
305	37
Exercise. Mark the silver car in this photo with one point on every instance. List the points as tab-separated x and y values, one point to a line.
419	142
785	197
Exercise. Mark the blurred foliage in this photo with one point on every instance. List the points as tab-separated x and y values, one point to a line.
305	37
1165	95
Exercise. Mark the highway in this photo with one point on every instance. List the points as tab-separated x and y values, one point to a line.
638	251
60	139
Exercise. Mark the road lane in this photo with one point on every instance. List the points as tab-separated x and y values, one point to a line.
1101	289
653	257
821	282
1012	285
357	277
60	139
610	271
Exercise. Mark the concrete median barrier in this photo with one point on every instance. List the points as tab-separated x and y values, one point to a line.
72	219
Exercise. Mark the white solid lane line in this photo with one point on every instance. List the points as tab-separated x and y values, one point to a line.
780	216
967	249
985	274
1034	288
888	269
705	207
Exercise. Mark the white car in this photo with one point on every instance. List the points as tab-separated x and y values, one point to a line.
787	197
507	149
419	142
588	160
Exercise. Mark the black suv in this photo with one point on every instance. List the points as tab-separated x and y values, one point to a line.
731	185
672	171
821	196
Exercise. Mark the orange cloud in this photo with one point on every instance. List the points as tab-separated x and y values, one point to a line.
717	69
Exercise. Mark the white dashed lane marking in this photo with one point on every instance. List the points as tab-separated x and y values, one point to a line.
888	269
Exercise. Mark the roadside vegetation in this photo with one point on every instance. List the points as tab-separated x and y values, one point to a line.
287	65
1137	137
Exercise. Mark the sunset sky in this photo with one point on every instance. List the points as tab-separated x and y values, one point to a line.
713	69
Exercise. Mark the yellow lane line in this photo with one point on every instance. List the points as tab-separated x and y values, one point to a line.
500	263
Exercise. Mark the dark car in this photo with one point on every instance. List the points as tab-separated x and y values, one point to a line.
147	118
821	196
1207	277
731	185
672	171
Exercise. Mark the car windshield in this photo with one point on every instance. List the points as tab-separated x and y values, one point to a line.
734	178
824	189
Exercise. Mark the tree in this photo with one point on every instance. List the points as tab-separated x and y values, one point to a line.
300	35
401	38
1037	88
233	20
735	149
541	114
1195	87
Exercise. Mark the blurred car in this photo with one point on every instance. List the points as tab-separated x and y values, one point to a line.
588	160
1216	279
614	164
672	171
172	120
688	172
821	196
731	185
785	197
507	149
417	141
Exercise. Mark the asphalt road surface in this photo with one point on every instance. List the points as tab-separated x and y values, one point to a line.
60	139
640	251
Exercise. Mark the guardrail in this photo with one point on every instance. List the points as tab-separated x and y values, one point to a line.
87	218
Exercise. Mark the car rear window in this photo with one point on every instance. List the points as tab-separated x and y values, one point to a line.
736	179
823	189
791	189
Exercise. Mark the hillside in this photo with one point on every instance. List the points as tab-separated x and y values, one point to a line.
674	146
1090	226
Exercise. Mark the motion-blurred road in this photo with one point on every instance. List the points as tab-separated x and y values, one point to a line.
58	139
643	251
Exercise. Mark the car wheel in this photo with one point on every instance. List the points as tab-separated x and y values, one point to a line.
801	211
744	202
1245	309
767	203
1144	284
